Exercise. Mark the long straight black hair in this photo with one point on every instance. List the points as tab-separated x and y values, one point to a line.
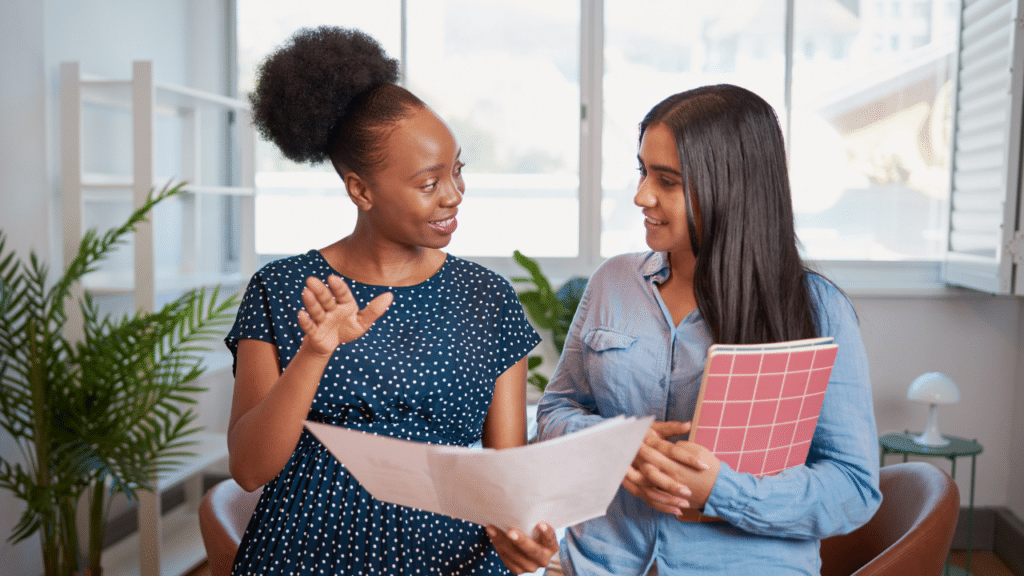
749	280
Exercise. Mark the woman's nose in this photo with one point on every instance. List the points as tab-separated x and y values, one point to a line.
643	196
453	191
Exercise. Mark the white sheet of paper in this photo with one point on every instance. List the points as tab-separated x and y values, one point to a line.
394	470
561	481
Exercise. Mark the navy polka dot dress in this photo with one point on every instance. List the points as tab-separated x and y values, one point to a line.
425	371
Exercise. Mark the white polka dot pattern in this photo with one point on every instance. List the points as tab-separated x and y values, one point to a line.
424	371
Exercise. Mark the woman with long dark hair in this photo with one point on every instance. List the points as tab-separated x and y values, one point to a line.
724	268
380	331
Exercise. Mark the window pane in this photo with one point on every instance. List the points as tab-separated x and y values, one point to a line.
870	131
504	75
300	207
693	43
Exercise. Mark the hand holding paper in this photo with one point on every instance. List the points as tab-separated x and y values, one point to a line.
664	470
561	481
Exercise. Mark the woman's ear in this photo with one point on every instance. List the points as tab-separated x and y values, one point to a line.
358	191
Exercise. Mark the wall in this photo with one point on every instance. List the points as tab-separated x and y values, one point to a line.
26	193
973	338
1015	487
25	188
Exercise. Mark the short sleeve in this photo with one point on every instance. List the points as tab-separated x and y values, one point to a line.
516	336
254	320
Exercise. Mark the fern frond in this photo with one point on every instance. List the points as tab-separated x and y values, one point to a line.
141	368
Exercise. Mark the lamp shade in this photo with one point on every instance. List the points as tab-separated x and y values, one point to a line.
933	388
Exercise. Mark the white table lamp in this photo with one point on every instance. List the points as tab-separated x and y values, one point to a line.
933	388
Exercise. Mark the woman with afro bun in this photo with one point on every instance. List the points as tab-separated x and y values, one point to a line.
380	331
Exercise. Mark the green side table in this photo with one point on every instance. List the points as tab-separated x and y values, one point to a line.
896	443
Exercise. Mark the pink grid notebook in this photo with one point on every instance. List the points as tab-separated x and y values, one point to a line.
759	404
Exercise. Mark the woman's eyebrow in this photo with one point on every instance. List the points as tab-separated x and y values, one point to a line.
660	168
435	167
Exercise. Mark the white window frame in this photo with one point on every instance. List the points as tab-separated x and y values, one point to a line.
857	277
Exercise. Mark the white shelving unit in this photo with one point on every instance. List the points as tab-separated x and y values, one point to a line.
168	543
165	544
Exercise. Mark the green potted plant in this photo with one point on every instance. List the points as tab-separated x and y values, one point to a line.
99	415
549	309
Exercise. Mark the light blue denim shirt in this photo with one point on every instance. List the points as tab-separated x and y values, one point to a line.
624	356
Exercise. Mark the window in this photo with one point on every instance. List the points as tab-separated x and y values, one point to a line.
298	207
511	95
643	66
869	140
867	120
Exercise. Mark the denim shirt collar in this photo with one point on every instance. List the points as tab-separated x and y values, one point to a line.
655	267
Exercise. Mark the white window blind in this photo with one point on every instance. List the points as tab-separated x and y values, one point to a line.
985	249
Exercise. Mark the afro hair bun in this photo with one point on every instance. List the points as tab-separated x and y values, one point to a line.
302	89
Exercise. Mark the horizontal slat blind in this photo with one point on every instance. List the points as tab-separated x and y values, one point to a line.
986	147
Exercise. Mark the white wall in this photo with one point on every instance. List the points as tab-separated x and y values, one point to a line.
973	338
1015	487
25	187
25	195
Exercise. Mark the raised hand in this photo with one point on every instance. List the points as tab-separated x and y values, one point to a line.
671	476
332	317
522	554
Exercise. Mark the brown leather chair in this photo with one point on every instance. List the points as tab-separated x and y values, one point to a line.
911	532
223	515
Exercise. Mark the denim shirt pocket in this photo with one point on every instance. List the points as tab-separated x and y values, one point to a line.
609	360
603	339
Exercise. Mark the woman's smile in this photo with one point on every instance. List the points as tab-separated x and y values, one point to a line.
445	226
650	221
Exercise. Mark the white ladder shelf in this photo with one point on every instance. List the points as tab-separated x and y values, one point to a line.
165	544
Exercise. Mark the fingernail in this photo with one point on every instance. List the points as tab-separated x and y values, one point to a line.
544	526
490	531
513	535
704	465
684	505
685	492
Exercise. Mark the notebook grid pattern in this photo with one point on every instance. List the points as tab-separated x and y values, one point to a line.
759	409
